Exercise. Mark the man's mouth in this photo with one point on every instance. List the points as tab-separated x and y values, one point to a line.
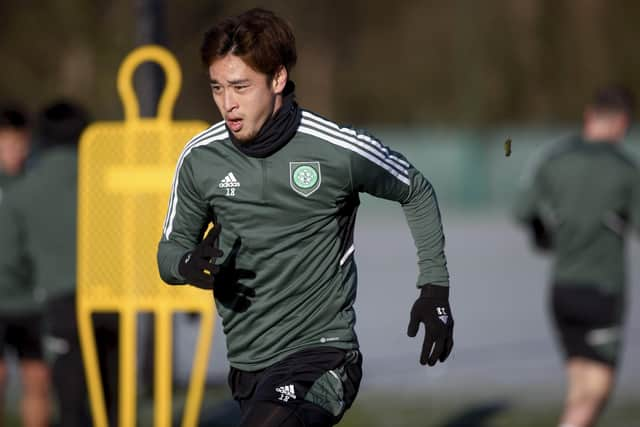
234	124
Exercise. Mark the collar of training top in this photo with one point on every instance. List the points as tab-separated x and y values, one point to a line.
277	130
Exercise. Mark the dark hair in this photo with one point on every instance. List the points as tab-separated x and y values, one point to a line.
13	117
61	122
262	39
614	98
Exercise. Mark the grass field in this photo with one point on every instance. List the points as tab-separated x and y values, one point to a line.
389	410
385	411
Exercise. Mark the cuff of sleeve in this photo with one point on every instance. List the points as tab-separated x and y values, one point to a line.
433	277
434	291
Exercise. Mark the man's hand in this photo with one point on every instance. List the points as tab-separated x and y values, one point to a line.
197	266
227	288
432	309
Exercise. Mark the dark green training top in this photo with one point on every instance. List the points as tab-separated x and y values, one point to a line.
16	279
586	193
41	208
294	213
5	183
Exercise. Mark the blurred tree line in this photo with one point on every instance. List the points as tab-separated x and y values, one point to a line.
409	62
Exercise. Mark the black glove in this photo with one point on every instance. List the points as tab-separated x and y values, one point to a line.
540	233
197	266
432	309
227	288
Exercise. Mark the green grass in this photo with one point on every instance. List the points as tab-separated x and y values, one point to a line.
425	410
378	410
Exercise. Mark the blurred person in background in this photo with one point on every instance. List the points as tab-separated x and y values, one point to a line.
14	144
281	186
44	205
20	312
578	202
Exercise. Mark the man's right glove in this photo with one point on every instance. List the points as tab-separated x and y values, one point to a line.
432	309
198	266
227	287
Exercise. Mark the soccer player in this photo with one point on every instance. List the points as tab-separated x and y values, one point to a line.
280	185
578	202
14	143
20	313
44	205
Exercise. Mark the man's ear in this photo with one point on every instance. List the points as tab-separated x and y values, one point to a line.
279	80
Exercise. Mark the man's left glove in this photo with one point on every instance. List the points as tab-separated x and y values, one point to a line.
542	239
198	266
432	309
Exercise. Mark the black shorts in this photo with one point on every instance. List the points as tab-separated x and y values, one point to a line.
319	384
588	322
23	333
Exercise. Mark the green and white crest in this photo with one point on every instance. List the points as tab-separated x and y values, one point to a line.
305	177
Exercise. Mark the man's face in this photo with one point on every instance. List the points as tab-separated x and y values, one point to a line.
14	149
605	124
246	98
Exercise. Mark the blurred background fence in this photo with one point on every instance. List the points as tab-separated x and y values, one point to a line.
415	62
469	168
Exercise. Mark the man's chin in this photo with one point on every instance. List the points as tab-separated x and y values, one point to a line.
243	136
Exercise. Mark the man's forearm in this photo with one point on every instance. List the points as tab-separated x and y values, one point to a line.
169	255
423	216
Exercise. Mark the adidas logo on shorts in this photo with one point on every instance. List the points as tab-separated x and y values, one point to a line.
286	392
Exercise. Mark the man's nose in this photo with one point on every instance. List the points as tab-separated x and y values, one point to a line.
230	102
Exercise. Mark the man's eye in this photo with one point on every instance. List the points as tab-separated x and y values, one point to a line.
216	89
241	88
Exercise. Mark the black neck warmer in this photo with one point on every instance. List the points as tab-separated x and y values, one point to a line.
277	130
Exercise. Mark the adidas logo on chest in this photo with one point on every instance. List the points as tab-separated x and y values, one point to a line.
229	183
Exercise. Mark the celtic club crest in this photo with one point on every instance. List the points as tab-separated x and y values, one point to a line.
305	177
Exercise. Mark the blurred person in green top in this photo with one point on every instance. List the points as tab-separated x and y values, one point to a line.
579	200
14	144
20	313
44	204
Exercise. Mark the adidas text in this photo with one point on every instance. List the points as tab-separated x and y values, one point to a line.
229	183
